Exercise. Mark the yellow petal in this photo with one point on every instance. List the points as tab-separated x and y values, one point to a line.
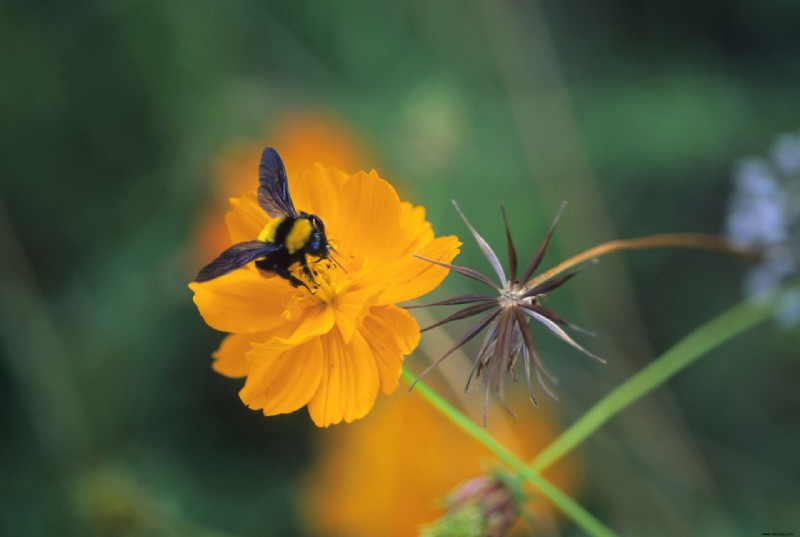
306	322
246	218
416	229
317	190
282	381
413	232
390	333
242	301
229	359
351	307
370	212
349	383
412	277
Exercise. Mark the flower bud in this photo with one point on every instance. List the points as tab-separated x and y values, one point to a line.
484	506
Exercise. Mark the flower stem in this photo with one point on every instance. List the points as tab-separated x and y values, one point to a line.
695	241
732	322
570	507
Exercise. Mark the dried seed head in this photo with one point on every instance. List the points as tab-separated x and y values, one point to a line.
507	314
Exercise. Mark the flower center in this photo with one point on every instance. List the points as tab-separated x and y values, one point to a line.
326	275
330	278
513	295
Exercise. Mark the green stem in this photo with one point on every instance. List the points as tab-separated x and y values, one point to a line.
737	319
570	507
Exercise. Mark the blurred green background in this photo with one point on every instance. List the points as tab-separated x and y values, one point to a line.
113	114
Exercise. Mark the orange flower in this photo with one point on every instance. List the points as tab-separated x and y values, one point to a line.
332	350
303	136
389	475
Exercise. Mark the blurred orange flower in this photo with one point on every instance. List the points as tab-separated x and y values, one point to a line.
332	350
390	474
302	138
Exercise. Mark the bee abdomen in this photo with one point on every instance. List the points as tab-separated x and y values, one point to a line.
291	232
272	230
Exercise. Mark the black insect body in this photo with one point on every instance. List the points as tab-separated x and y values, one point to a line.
285	241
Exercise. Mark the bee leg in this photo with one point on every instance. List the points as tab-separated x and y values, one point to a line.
284	273
296	282
308	273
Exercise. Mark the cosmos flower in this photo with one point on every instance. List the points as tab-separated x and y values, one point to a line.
336	348
507	315
387	475
764	214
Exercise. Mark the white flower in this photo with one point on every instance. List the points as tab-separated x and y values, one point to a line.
764	213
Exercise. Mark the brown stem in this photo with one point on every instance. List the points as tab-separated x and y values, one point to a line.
697	241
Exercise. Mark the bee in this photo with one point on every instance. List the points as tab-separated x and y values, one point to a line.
285	241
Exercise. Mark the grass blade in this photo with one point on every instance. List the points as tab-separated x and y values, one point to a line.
732	322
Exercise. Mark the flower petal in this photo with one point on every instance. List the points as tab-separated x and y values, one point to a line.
370	220
390	333
351	307
413	232
283	379
413	223
302	323
242	301
316	190
246	218
229	359
411	277
349	383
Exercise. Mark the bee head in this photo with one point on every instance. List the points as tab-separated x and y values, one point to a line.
317	243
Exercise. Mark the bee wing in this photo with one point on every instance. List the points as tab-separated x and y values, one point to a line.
273	190
236	257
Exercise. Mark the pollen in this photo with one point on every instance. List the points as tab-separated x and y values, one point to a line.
329	280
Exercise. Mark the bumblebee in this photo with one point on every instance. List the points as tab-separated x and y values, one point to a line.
285	241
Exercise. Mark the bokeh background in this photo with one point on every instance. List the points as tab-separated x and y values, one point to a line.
127	124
